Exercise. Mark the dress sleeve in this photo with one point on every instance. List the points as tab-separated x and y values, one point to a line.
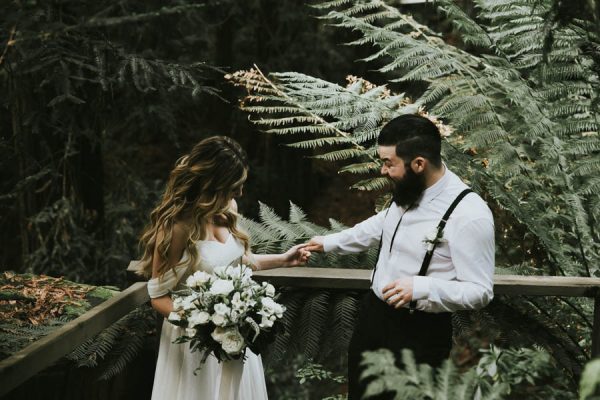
162	285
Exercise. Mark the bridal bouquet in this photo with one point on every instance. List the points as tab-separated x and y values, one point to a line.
225	312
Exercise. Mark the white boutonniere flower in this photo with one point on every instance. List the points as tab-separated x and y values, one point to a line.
434	238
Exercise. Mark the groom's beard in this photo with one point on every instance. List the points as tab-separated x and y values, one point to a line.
409	189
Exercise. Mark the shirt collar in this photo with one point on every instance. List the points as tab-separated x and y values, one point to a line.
434	190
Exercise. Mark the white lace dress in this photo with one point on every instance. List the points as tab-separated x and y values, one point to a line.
174	378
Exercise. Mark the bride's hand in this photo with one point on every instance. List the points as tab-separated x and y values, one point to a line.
297	255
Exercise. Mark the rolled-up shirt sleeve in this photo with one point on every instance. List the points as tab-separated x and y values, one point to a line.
472	253
358	238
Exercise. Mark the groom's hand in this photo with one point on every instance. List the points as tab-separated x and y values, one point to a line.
399	292
314	244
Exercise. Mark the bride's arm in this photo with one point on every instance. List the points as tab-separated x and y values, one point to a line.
164	304
297	255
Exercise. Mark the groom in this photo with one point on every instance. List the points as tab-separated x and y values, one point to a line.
421	276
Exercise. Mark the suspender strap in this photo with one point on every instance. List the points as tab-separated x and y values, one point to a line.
440	228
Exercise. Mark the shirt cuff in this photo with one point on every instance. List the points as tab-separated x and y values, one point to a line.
421	287
330	242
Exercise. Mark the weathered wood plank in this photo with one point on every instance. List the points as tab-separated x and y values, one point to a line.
344	278
46	351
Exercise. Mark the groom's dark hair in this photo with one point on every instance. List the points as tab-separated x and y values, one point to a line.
413	136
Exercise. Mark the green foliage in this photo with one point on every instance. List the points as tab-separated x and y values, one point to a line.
315	371
500	374
117	345
78	81
520	109
15	337
272	234
524	120
589	388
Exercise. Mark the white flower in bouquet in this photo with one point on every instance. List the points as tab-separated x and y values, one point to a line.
219	319
198	318
237	303
232	341
222	309
271	307
221	312
178	303
221	287
197	279
174	316
270	290
191	332
187	303
234	316
218	334
266	322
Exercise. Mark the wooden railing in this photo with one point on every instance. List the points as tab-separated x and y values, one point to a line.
43	353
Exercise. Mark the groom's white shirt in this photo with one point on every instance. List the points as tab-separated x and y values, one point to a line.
461	272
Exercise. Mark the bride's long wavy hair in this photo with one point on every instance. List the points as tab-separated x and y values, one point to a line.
199	190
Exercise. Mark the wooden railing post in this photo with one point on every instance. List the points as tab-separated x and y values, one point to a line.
596	328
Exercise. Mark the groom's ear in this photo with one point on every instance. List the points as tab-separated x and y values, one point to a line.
419	164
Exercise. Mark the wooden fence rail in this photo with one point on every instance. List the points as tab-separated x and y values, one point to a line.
43	353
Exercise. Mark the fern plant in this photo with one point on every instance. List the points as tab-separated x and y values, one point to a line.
500	374
518	104
515	138
111	350
317	323
78	78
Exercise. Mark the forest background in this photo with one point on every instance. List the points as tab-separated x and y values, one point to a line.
100	99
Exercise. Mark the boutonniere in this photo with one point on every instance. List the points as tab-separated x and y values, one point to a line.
434	238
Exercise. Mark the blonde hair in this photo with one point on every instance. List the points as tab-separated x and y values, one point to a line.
199	189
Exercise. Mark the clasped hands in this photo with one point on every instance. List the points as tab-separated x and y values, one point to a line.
396	293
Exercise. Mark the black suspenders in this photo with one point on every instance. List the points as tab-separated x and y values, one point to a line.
429	254
440	228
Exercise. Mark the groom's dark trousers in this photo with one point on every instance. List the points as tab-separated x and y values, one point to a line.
379	326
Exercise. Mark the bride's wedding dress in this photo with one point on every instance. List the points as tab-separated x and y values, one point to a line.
174	378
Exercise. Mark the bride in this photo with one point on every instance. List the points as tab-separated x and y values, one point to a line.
195	228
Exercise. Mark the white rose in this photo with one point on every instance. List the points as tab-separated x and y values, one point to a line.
270	290
219	320
217	334
221	287
222	309
233	342
198	318
219	270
